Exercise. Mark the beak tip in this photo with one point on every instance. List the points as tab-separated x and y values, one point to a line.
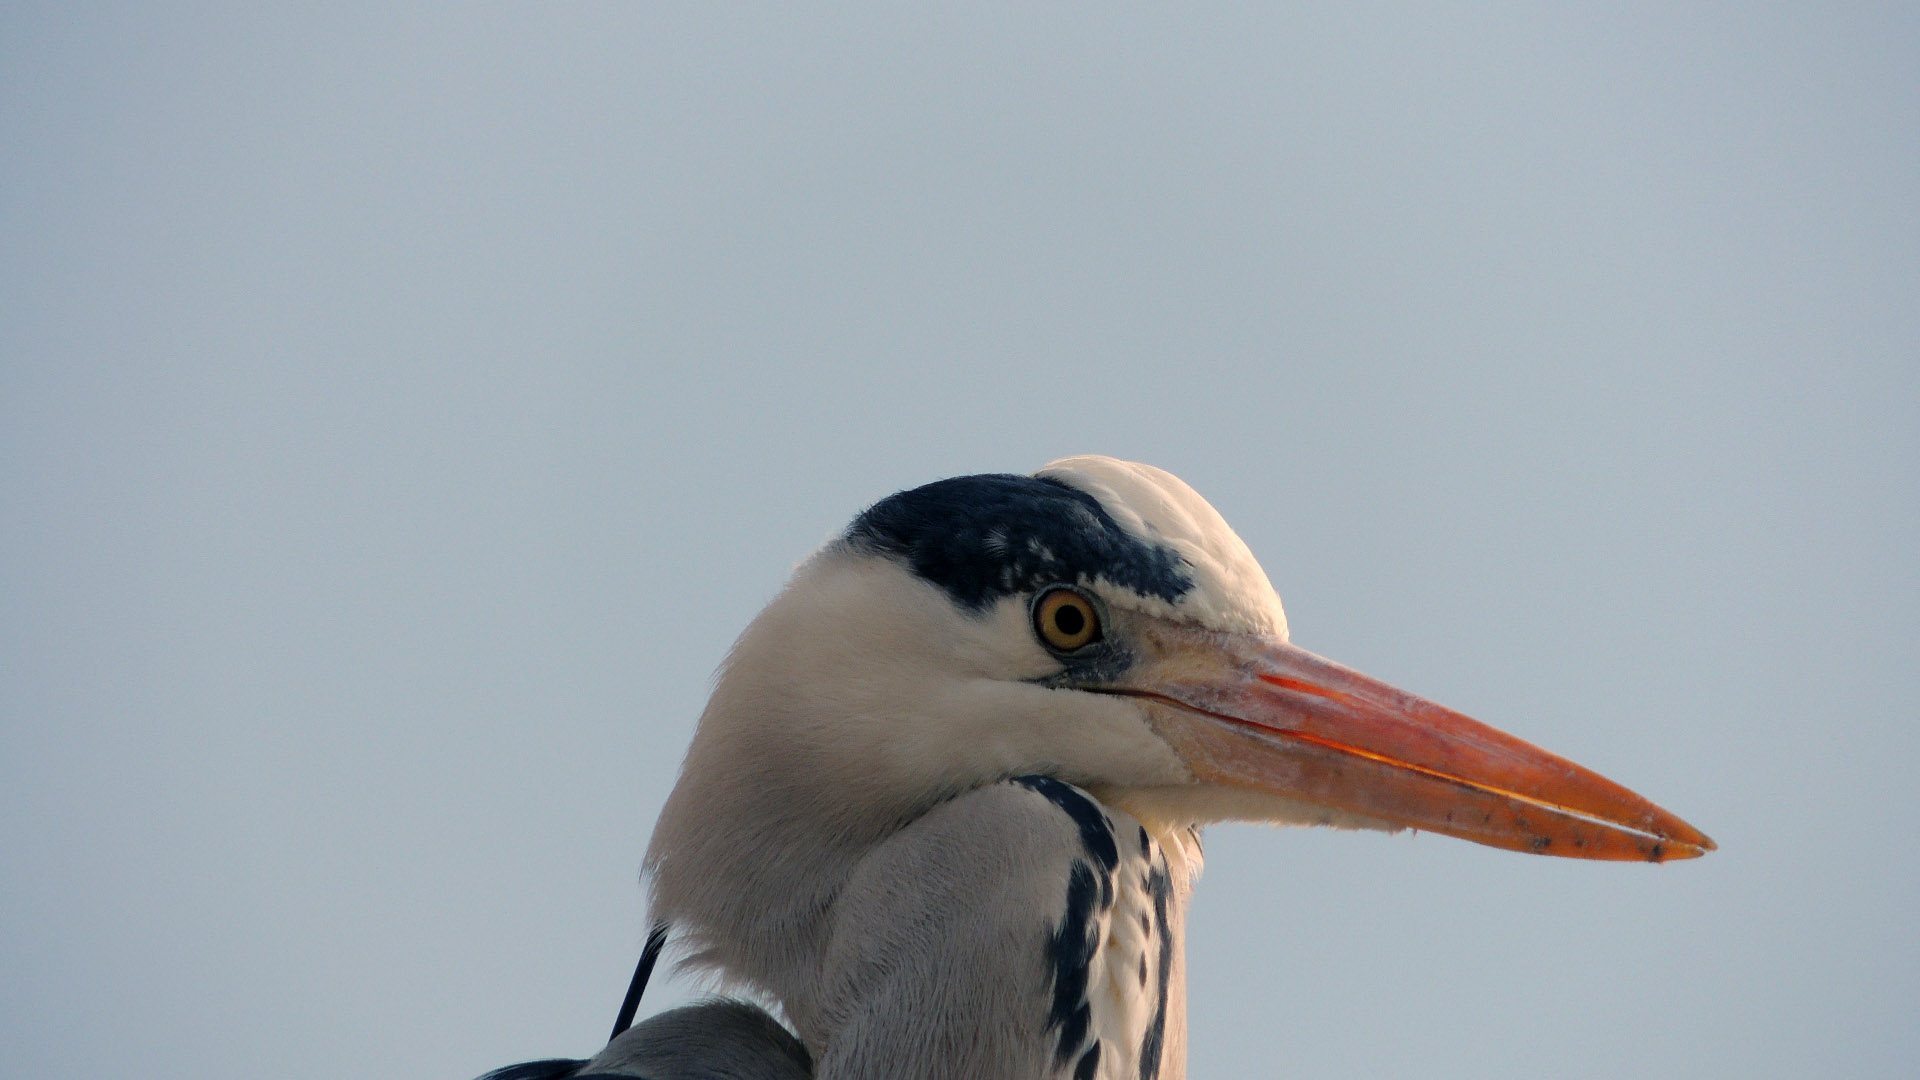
1685	842
1669	849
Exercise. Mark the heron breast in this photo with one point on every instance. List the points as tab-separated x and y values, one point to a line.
1110	954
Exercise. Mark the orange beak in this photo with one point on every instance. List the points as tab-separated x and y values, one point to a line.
1260	714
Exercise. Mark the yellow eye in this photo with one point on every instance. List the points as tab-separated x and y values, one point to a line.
1066	620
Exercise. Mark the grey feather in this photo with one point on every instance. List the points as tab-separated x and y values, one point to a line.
716	1040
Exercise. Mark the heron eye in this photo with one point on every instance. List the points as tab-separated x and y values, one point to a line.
1066	620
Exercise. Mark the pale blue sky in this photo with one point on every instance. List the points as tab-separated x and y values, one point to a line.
401	410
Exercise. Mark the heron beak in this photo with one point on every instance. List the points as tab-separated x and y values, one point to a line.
1259	713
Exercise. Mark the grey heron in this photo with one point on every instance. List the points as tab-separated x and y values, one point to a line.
943	807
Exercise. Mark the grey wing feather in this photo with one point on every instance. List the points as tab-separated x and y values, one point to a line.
715	1040
548	1069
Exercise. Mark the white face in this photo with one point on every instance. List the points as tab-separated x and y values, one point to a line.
881	680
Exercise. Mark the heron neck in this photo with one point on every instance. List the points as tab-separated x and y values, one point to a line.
747	861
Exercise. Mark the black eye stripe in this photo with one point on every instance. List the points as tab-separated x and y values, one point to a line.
984	538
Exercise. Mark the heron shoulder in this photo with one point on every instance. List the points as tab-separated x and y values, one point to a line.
1021	929
989	864
947	925
713	1040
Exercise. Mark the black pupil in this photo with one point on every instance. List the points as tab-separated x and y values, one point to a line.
1070	620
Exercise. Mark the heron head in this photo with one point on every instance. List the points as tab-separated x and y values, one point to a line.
1099	621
